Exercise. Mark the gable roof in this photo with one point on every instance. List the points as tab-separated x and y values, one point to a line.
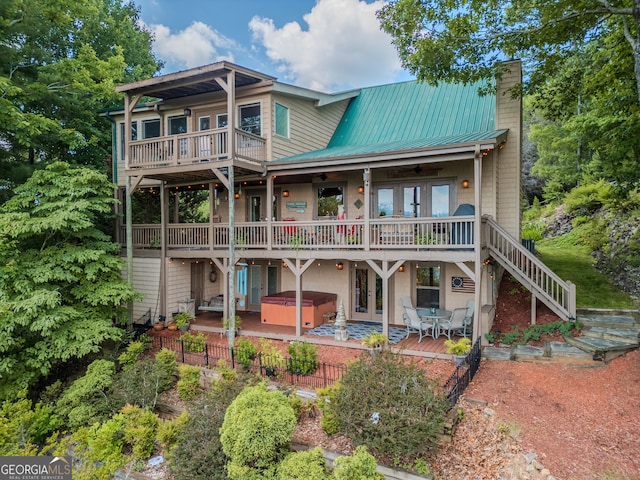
410	115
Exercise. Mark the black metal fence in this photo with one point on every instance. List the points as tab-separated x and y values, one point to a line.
276	367
290	370
456	384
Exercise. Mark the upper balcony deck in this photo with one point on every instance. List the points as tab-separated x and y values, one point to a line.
195	147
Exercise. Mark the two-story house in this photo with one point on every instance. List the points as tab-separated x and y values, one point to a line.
369	195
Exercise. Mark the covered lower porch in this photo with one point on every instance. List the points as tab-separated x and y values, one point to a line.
252	326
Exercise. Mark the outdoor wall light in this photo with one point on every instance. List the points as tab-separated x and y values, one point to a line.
285	193
361	189
339	266
401	268
187	112
465	183
284	265
236	195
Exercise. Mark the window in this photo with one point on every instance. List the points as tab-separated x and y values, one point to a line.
204	123
177	125
428	286
329	198
222	120
440	200
433	198
151	128
250	118
282	121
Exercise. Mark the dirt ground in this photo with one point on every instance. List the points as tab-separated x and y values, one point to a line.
583	423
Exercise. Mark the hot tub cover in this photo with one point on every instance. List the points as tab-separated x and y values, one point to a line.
309	298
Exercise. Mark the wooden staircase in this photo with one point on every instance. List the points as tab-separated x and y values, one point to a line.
557	294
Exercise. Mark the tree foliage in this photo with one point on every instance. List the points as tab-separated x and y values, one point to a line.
465	40
61	290
59	64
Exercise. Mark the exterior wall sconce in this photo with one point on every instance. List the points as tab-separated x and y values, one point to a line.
285	193
465	183
236	195
187	112
339	266
401	268
284	265
361	189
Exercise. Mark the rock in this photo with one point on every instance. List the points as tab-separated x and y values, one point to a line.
489	412
530	457
545	472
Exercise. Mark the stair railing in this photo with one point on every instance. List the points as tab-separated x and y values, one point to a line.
557	294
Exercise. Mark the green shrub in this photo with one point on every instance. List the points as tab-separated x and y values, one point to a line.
131	355
534	230
197	452
86	401
167	367
192	343
531	333
107	447
309	465
24	426
511	337
326	396
361	465
271	357
139	384
168	430
304	358
245	352
588	198
382	398
189	383
256	431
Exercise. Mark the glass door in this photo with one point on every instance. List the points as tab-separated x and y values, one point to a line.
263	280
367	295
428	286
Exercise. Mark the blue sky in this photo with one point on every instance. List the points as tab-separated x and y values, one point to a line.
326	45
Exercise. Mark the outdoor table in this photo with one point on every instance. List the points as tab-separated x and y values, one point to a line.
436	315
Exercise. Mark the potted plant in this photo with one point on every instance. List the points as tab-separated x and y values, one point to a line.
375	341
459	349
183	320
237	324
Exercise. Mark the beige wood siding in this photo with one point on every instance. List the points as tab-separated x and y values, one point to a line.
178	284
310	127
146	281
509	115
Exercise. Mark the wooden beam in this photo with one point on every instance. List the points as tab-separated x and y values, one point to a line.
470	273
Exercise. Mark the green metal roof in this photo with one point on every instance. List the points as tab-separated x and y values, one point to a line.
410	115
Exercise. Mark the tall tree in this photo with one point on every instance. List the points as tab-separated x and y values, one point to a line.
59	63
464	40
61	290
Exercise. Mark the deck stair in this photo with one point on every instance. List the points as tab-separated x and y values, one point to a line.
607	334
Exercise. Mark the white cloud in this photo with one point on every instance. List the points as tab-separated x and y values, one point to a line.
343	46
196	45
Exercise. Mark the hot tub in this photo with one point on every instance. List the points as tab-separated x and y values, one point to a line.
280	308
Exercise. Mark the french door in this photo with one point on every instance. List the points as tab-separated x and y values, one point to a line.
367	294
263	280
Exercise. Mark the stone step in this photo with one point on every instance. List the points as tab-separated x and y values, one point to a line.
528	353
609	321
601	348
496	353
630	336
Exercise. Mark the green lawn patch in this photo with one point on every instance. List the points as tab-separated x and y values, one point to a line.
593	289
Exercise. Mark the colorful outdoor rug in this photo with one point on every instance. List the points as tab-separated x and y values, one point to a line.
357	331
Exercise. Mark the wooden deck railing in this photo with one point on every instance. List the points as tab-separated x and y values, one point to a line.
384	234
195	147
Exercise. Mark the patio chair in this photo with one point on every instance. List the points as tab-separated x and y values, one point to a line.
417	324
468	318
456	324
